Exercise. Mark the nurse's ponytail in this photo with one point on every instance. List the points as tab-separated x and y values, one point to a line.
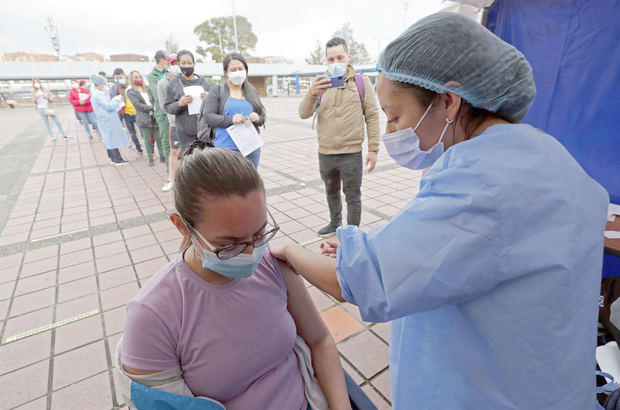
206	173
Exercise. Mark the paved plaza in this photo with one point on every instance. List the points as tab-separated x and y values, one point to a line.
79	236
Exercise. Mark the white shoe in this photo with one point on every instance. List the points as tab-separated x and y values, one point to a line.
53	139
167	186
66	137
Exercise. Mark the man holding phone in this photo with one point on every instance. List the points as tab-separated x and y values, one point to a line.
345	105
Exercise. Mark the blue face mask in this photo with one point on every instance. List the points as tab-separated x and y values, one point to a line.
175	69
337	69
404	146
240	266
122	81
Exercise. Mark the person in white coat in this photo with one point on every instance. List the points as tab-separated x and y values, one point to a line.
110	127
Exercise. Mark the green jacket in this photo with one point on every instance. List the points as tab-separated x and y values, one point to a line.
153	78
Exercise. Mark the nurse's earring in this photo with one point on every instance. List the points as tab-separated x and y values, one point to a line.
448	122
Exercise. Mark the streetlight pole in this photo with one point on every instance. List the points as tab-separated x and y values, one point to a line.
235	26
52	32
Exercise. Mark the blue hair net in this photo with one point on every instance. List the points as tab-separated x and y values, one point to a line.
97	79
491	74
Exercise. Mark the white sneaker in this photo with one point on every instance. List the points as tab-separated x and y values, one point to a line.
53	138
168	186
66	137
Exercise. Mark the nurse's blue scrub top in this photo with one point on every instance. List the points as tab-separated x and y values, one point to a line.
491	276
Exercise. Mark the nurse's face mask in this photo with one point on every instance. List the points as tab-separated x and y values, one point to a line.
230	261
404	146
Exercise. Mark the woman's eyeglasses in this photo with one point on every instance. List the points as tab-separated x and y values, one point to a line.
230	251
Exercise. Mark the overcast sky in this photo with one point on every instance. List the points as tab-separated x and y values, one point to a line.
284	28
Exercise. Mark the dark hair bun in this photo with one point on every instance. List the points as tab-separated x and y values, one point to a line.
196	144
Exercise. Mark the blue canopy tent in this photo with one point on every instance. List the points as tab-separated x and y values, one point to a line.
574	49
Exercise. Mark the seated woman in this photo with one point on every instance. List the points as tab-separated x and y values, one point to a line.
230	103
224	310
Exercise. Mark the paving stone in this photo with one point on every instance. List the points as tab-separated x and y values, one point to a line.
376	398
382	383
93	393
77	288
78	333
32	301
24	352
340	324
366	352
78	364
13	391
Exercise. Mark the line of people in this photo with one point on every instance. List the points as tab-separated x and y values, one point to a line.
159	103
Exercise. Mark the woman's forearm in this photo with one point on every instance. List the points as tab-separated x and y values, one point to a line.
316	269
329	373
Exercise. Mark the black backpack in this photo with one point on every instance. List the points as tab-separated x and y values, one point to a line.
205	131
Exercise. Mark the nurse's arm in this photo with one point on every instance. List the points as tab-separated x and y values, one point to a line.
316	269
312	329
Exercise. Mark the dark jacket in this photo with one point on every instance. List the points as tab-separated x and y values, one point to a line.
187	124
144	111
212	109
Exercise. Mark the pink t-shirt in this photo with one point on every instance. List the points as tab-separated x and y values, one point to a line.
234	342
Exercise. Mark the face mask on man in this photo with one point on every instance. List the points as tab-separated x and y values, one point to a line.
74	85
175	69
337	69
187	70
237	77
404	146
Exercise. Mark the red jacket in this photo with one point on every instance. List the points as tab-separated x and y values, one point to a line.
74	99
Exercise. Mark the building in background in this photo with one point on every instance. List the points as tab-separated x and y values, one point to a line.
129	57
269	60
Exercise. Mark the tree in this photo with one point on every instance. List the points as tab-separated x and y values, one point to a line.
172	47
219	35
359	55
318	55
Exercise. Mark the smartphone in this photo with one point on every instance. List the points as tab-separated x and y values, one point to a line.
336	81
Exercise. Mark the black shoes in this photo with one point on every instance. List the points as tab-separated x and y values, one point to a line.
329	229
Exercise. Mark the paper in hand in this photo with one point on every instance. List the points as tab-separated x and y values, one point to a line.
245	137
194	91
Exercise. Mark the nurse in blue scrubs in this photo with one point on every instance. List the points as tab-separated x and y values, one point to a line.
490	276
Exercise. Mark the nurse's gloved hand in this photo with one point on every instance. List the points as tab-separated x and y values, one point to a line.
330	247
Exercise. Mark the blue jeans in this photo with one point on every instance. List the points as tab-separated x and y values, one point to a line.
254	157
130	122
47	122
86	118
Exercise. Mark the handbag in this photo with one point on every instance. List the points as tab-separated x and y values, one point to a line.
50	112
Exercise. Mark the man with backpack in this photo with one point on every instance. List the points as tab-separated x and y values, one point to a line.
343	102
